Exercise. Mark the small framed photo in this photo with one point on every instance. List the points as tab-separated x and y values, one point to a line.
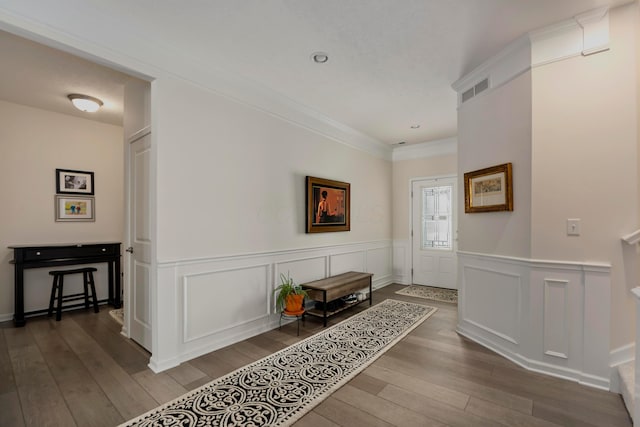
489	189
328	205
74	182
75	208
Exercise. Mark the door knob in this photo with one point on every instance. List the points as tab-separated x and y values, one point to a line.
129	249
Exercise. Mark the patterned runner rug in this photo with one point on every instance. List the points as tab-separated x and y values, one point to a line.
282	387
429	292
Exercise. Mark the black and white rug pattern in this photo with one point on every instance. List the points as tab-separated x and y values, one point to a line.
430	292
282	387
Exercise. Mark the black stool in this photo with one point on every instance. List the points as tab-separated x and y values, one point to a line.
58	284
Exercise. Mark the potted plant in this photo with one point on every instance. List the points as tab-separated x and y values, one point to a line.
289	296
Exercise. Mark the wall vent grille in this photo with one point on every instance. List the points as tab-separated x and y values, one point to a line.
479	87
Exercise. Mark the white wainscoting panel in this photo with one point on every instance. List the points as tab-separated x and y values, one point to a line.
492	301
220	300
556	322
401	262
303	270
547	316
347	261
379	263
206	304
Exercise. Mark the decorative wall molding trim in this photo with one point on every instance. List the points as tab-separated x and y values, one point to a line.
312	250
402	261
506	286
632	238
204	321
543	264
221	324
441	147
595	29
585	34
537	366
499	69
134	55
623	354
555	317
561	316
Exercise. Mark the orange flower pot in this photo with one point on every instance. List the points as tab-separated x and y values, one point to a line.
294	305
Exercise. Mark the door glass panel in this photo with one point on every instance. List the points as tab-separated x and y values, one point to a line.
436	217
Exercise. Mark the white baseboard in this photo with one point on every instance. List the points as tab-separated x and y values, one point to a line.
536	366
197	320
524	309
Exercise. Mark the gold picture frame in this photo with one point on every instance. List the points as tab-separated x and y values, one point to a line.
328	205
489	189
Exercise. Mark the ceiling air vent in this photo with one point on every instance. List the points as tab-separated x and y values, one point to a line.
479	87
467	95
483	85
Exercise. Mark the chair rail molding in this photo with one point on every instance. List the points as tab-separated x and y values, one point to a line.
209	303
547	316
632	238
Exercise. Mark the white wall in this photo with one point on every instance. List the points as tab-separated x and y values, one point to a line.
585	149
495	128
231	179
33	143
231	217
583	155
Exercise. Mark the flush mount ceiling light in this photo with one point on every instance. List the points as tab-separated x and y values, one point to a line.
85	103
415	126
320	57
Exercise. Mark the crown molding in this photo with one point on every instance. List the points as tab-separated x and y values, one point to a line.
441	147
584	34
95	40
511	60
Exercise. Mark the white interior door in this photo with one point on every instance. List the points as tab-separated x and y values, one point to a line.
434	230
139	299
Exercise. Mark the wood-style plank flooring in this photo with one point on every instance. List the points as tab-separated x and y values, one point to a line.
82	372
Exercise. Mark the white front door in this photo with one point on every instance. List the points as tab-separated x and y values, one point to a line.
434	229
138	303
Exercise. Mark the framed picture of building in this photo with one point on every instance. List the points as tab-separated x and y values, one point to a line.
489	189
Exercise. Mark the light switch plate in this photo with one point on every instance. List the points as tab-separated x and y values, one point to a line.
573	227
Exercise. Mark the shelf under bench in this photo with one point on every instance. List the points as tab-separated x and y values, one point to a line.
332	288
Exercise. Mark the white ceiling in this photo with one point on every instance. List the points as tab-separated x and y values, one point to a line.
391	62
39	76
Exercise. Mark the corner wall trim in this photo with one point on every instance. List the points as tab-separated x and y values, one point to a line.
559	312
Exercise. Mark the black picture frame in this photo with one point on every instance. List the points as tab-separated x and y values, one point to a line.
70	181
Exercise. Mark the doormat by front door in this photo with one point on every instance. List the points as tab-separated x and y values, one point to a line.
430	292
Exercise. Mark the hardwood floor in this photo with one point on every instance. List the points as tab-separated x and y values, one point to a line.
82	372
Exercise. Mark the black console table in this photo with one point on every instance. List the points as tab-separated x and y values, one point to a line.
64	254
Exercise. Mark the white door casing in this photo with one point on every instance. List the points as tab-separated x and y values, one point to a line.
434	232
138	301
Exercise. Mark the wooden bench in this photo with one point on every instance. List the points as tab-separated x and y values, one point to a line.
332	288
